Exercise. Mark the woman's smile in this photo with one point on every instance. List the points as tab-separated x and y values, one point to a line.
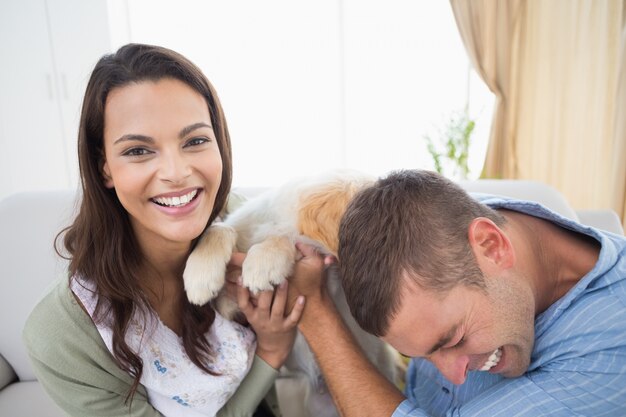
178	203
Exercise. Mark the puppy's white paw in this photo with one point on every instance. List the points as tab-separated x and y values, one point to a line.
206	266
203	278
268	263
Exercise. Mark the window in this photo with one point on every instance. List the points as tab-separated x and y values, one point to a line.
310	86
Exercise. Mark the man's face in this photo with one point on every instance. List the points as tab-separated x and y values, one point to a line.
467	329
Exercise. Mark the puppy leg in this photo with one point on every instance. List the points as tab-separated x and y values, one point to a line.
227	307
206	266
268	263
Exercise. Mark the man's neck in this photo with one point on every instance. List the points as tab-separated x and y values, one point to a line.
554	259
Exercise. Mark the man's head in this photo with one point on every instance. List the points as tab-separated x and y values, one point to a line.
420	263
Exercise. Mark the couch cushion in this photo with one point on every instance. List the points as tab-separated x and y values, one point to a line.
523	190
29	222
7	375
27	399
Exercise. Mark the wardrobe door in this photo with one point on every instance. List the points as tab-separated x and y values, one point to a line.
32	153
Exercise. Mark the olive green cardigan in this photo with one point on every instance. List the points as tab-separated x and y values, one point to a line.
77	370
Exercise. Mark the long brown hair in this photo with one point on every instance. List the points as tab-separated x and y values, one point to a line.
101	244
412	222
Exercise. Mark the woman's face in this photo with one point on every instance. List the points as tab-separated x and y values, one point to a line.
162	159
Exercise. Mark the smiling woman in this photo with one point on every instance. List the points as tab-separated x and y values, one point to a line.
155	164
159	145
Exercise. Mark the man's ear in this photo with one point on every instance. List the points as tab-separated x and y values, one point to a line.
490	244
106	175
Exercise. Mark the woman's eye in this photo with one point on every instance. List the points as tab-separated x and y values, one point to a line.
136	152
196	141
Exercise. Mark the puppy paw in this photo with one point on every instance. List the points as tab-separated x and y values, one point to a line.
268	263
203	279
205	270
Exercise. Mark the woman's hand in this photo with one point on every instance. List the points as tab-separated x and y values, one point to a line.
275	328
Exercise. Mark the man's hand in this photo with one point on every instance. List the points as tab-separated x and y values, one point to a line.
309	276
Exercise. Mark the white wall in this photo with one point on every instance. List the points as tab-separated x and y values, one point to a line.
306	86
309	86
48	48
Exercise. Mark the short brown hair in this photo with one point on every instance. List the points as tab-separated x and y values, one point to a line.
414	222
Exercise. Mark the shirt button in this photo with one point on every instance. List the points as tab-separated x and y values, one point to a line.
445	390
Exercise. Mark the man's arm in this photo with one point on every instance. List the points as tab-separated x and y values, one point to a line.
357	388
355	385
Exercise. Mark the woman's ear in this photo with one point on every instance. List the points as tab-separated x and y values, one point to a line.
490	244
106	175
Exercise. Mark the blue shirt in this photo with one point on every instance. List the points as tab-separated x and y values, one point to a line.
578	362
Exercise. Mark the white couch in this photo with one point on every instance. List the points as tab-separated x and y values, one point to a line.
28	225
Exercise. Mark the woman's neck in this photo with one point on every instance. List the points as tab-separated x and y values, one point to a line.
161	279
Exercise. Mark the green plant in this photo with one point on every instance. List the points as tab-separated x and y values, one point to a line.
451	148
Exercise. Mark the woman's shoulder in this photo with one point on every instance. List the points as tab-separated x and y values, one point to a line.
58	322
72	361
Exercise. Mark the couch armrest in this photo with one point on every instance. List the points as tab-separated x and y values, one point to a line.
523	190
602	219
7	374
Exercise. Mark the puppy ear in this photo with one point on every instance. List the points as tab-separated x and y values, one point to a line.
490	244
106	175
320	213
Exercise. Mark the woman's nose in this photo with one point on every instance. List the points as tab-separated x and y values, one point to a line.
452	366
175	167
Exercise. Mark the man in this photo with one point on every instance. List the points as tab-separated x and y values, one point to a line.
506	308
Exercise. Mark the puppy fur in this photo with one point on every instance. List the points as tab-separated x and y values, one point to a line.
267	228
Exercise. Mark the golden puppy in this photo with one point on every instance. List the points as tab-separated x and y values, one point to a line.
267	228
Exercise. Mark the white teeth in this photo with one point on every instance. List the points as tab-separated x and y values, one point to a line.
493	360
176	201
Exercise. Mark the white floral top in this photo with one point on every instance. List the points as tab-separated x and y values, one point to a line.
175	386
